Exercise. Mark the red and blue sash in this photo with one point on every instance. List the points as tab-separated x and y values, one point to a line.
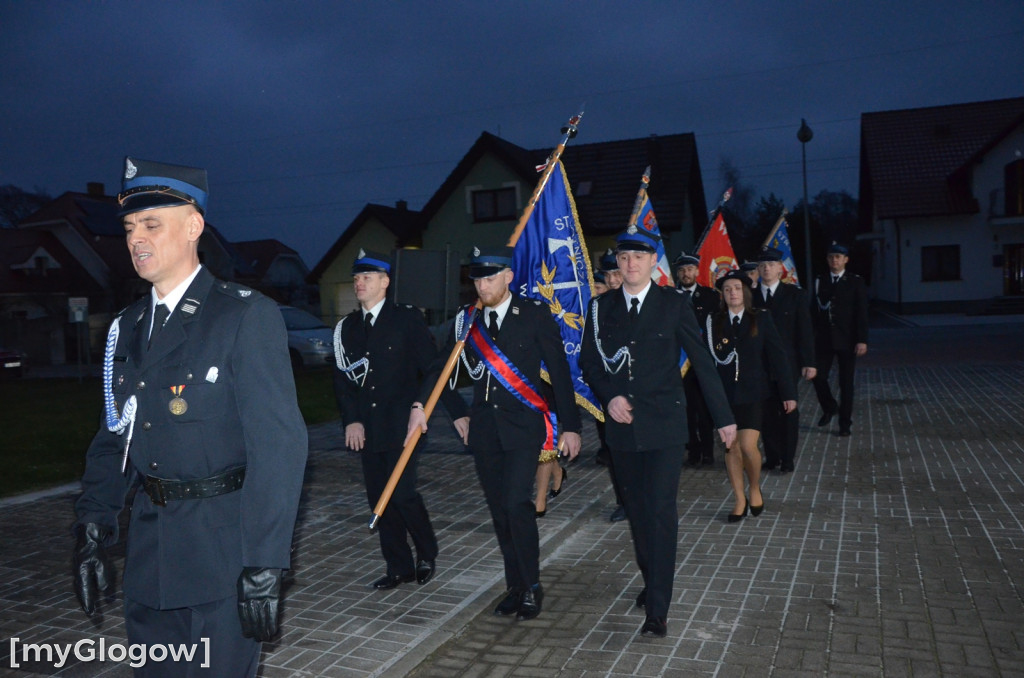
509	376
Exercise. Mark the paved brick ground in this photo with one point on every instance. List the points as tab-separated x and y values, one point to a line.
896	552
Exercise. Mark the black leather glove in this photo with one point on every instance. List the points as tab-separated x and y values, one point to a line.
259	590
93	570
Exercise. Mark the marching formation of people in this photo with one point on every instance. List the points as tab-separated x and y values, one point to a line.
202	417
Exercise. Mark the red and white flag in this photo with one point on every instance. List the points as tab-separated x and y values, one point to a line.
716	254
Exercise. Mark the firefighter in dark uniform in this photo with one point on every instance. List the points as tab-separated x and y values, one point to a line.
839	309
504	431
630	358
705	301
202	419
791	314
382	349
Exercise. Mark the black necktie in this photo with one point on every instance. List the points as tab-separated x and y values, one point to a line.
367	322
768	297
634	309
493	325
735	326
689	295
159	318
835	279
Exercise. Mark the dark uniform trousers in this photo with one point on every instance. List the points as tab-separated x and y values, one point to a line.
648	453
399	350
506	435
224	350
840	315
791	315
705	301
230	654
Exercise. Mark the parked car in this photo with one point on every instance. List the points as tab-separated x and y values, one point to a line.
310	342
12	364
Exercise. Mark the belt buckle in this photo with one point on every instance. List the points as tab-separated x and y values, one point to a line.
155	490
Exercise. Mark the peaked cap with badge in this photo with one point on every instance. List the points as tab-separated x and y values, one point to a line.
371	262
487	261
148	185
635	239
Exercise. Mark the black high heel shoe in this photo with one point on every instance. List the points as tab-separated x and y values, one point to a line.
756	510
565	476
735	518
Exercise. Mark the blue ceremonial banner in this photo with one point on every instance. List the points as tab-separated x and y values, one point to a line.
780	241
551	265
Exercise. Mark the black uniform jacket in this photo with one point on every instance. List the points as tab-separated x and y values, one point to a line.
705	301
227	346
652	383
400	349
792	318
528	336
841	310
761	358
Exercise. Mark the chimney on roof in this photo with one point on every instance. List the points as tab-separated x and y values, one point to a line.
401	205
95	189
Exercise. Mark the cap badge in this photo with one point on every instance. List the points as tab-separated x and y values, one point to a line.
476	251
130	170
632	229
362	253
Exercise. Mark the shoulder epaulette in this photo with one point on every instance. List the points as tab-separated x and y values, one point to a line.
235	290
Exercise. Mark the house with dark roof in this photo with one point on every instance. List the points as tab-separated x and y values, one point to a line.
74	247
942	206
276	270
480	202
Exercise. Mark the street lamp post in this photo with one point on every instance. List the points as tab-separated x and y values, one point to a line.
804	134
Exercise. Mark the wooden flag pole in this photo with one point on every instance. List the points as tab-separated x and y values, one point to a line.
639	202
428	407
775	228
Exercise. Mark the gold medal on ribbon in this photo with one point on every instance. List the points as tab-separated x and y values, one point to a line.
177	406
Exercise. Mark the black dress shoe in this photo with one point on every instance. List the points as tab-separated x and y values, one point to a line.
390	581
786	468
655	627
424	571
844	432
769	466
554	493
826	418
618	514
541	514
510	603
707	461
529	606
692	462
641	598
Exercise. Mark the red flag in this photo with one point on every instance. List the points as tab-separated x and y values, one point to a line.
716	255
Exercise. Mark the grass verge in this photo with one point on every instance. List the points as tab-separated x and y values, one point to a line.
47	425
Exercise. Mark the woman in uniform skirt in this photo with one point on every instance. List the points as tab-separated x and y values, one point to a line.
749	356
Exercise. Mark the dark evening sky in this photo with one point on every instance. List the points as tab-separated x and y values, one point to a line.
304	111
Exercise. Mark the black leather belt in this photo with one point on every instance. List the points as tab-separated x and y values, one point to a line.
161	490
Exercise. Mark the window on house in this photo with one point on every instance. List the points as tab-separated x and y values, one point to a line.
940	262
1014	180
494	205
